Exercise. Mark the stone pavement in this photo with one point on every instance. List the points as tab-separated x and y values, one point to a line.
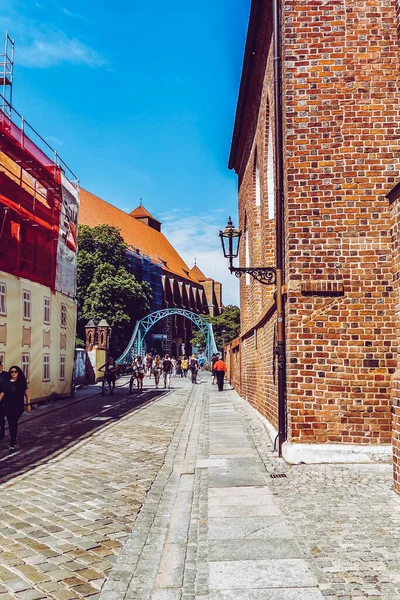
216	525
62	523
174	500
53	427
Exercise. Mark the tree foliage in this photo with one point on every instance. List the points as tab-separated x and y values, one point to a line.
226	327
105	288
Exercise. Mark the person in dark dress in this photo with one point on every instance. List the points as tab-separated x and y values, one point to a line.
13	395
4	376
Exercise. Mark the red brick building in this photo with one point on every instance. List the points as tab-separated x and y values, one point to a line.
341	117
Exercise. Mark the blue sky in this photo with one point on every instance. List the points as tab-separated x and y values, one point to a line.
139	100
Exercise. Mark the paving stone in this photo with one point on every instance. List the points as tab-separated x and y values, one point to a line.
244	549
264	574
282	594
247	528
30	595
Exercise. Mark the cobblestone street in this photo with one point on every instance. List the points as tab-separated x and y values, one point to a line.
168	496
63	523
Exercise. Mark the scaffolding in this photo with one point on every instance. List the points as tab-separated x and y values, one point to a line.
6	75
34	186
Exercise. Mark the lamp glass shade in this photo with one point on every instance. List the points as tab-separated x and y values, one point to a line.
230	240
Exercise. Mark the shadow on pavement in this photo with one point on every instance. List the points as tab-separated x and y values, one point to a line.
44	436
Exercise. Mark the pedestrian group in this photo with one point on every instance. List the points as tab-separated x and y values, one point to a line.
14	388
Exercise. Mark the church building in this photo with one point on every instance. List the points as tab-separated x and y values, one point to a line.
338	153
155	260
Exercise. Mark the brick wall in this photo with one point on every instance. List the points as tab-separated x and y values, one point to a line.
342	117
341	76
232	359
257	381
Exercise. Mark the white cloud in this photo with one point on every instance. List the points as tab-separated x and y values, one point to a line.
42	49
196	236
54	141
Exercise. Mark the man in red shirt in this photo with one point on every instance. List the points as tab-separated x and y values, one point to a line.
220	368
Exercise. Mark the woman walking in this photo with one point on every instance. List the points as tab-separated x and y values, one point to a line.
15	391
138	368
157	370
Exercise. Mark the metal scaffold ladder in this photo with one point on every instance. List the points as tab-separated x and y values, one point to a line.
168	333
6	75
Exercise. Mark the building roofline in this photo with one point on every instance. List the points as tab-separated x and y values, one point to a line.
250	82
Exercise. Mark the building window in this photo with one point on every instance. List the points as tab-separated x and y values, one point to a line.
62	367
27	305
63	315
270	176
258	183
46	367
3	306
25	365
47	311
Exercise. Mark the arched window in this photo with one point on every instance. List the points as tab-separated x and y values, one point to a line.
102	338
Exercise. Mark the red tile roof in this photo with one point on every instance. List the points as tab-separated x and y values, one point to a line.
140	212
196	274
95	211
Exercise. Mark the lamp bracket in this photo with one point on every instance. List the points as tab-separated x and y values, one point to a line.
265	275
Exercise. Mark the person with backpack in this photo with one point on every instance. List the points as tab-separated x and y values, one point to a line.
167	370
194	367
185	365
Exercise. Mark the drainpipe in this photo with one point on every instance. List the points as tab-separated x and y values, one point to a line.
279	225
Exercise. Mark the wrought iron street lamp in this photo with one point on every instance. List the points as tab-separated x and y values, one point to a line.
230	240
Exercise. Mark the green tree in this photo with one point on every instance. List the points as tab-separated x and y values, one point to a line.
226	327
105	288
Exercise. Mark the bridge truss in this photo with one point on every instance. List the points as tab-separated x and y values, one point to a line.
142	327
